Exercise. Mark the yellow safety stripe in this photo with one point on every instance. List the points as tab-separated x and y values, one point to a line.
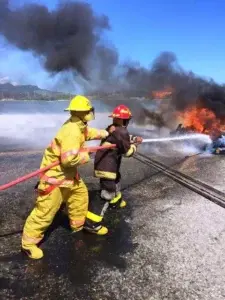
116	199
131	151
104	174
94	217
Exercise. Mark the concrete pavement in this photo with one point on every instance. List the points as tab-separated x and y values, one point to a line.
167	244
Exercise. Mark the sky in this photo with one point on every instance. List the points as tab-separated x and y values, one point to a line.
141	29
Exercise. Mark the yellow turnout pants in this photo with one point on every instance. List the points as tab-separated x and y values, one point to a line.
76	199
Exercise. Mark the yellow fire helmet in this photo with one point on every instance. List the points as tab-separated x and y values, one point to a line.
79	103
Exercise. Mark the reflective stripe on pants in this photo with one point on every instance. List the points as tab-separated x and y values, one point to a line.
76	199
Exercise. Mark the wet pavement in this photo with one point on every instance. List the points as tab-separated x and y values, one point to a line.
167	244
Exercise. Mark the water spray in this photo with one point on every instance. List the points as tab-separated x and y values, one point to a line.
202	137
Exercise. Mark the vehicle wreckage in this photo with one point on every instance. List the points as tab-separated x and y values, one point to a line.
217	136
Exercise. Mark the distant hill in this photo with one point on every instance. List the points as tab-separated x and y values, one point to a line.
9	87
28	92
33	92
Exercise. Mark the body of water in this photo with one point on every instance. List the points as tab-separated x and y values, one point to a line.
32	124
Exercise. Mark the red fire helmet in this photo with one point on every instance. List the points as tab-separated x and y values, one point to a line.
121	112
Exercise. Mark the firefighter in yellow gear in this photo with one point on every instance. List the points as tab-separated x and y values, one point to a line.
62	183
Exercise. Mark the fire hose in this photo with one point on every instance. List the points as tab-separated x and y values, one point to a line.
94	149
91	149
57	162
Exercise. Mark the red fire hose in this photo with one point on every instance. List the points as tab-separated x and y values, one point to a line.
30	175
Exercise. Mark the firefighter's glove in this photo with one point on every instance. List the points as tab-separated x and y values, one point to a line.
105	134
111	129
84	158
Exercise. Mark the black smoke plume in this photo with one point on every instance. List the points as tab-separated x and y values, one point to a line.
188	89
71	38
67	38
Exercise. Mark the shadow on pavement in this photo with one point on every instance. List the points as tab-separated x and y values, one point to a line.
70	260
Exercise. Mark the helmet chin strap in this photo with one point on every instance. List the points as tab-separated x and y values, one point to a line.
83	121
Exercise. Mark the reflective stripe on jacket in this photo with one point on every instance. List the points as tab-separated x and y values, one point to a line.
65	147
107	162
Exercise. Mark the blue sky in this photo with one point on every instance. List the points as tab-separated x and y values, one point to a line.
192	29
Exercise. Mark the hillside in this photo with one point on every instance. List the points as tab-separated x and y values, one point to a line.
28	92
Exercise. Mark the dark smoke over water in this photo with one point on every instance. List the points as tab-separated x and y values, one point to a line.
67	38
71	38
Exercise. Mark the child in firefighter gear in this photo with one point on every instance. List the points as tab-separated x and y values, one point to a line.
62	183
107	169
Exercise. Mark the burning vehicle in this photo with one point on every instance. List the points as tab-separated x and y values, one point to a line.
181	130
218	139
218	143
203	121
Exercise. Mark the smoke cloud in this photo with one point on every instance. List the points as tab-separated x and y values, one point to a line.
68	38
71	38
188	89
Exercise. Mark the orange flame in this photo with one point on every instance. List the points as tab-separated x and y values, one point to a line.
201	120
162	94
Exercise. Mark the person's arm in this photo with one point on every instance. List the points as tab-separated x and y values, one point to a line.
95	134
123	143
131	151
135	139
70	147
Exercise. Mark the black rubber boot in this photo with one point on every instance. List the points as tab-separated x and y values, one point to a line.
95	228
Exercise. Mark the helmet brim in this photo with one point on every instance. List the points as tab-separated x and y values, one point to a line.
80	110
111	116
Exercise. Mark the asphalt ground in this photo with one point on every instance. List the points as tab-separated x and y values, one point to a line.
167	244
